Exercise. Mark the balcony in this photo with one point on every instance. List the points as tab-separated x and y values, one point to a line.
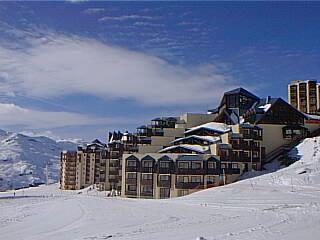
132	169
114	172
146	194
131	193
147	169
191	171
213	171
165	170
146	182
113	180
189	185
231	171
131	181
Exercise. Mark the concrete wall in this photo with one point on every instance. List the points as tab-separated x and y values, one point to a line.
195	119
272	137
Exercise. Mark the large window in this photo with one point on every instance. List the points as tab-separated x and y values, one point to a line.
164	177
132	188
195	179
131	163
132	175
164	192
183	165
211	165
164	164
146	176
147	189
183	179
196	165
147	164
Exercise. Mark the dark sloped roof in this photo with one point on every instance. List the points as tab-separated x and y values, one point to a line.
189	158
148	157
165	158
241	91
132	157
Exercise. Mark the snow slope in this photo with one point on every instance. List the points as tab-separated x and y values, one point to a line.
280	205
23	159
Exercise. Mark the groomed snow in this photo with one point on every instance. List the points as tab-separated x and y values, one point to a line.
280	205
209	139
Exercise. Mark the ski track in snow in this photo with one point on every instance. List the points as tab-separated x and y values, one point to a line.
280	205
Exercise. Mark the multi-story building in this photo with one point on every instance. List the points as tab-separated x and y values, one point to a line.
207	155
304	95
84	167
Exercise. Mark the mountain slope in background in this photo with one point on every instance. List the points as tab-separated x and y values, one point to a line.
23	159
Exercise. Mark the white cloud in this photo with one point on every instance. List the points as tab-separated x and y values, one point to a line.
93	10
12	115
125	17
61	65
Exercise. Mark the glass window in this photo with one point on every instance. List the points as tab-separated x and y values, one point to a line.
132	175
211	165
164	177
196	179
183	165
164	164
131	163
183	179
223	165
132	188
147	164
147	176
235	165
196	165
147	189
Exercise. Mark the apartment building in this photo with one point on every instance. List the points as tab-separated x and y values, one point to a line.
208	155
84	167
304	95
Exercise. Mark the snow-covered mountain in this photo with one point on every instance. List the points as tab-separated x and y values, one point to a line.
23	159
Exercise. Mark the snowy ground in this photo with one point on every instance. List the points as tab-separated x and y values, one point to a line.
280	205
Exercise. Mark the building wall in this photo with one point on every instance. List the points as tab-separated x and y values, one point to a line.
272	137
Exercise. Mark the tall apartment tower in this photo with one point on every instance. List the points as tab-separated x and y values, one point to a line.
304	95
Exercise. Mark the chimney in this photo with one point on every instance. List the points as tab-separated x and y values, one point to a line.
268	99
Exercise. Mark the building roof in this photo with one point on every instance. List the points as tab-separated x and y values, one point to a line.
189	157
204	138
148	157
212	126
195	148
241	91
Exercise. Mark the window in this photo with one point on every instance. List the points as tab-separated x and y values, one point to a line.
183	179
132	188
196	165
183	165
211	179
223	165
246	154
131	163
211	165
196	179
164	177
147	164
235	165
256	144
255	154
164	164
147	176
131	175
147	189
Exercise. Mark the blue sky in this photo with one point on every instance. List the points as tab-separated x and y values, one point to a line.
81	69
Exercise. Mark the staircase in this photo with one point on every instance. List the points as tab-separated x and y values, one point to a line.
281	153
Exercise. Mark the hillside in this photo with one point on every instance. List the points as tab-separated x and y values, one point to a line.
280	205
23	159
